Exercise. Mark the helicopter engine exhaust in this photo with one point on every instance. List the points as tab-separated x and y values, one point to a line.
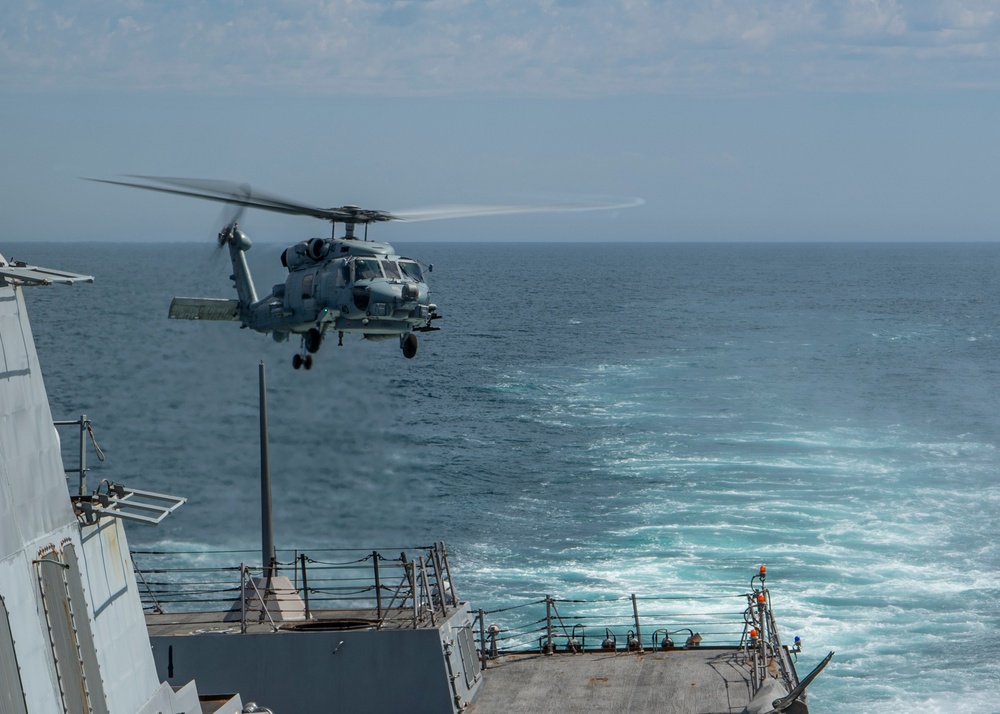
305	253
318	248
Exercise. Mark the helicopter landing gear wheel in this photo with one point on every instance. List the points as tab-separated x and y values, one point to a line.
313	339
307	362
297	361
408	343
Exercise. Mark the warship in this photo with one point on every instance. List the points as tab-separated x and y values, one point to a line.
86	625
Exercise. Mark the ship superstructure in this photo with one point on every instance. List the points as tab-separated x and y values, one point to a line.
72	634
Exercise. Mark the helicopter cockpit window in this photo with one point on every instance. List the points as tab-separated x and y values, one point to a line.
390	269
366	269
343	273
411	269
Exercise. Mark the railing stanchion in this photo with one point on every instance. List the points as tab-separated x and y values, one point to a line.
411	572
482	639
427	591
378	586
549	647
243	598
635	614
83	454
152	596
305	585
447	568
439	579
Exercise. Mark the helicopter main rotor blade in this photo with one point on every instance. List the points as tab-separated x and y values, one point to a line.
437	213
243	194
239	195
232	213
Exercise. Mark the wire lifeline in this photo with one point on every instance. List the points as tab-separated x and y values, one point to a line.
513	607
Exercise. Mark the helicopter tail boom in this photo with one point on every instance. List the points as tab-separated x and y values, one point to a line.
238	245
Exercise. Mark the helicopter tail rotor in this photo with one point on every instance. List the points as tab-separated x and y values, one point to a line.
231	215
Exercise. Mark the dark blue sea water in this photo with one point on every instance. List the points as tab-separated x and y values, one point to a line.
649	418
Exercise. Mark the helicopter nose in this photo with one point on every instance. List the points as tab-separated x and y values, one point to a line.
395	294
382	292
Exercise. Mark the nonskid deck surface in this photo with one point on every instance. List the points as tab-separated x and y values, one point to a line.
692	681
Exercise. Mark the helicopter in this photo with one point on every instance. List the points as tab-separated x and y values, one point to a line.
340	284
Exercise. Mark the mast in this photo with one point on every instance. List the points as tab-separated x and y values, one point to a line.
266	514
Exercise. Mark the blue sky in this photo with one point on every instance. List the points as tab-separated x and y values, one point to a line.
744	120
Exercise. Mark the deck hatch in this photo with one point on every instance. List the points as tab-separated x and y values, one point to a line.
470	663
85	635
62	633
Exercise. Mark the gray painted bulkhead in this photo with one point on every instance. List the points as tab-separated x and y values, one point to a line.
67	590
391	670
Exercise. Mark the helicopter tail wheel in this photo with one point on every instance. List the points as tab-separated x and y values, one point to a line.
313	340
297	361
408	343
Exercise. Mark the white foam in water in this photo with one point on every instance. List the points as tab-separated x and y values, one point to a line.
828	410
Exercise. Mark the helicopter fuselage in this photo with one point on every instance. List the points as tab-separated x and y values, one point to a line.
344	285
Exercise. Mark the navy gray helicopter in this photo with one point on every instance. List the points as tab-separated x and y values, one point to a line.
343	285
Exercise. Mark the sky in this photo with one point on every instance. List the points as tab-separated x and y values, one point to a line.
844	120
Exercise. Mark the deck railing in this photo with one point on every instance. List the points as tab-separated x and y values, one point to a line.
417	581
415	588
743	621
628	623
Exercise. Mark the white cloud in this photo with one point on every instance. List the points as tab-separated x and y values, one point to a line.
874	17
520	47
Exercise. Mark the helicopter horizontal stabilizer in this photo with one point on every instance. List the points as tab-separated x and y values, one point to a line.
186	308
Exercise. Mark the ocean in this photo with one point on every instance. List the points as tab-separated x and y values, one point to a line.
592	419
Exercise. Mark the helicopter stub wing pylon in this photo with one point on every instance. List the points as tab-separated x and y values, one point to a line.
189	308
